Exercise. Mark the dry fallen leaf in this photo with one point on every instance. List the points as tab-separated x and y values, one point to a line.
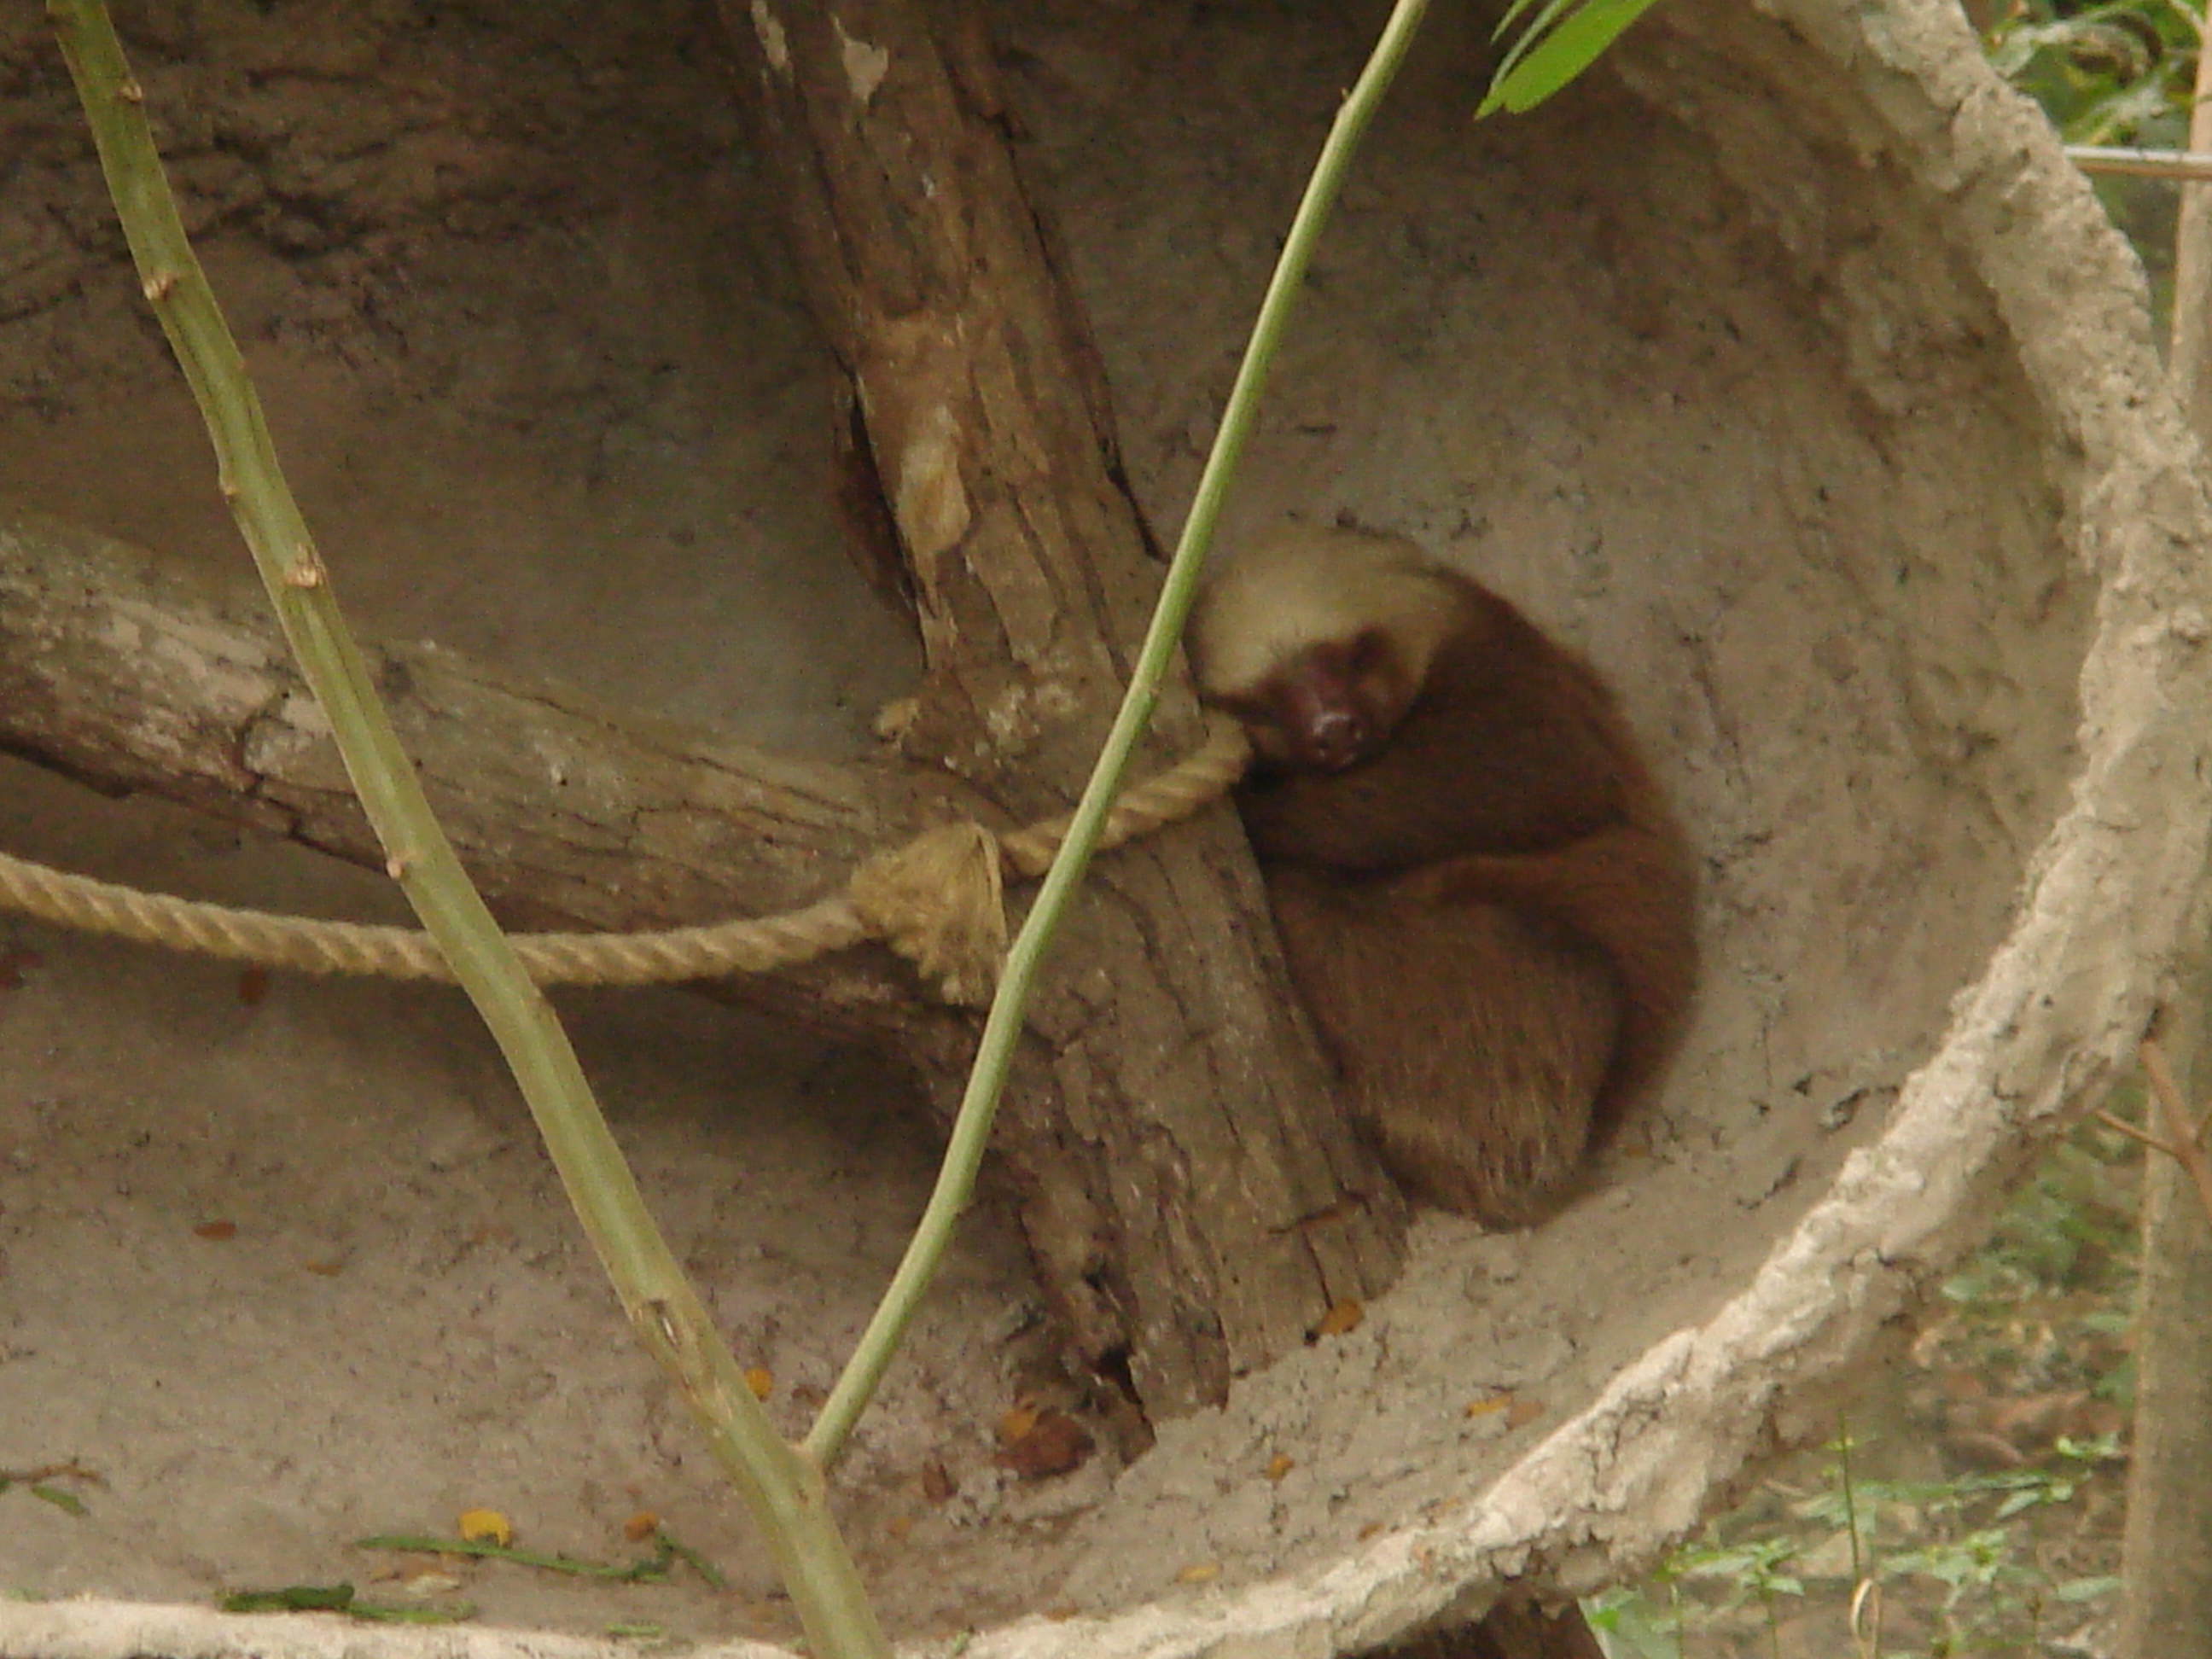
1344	1317
897	718
641	1526
218	1231
485	1527
1491	1404
761	1381
1199	1573
1055	1443
1521	1412
937	1483
1280	1465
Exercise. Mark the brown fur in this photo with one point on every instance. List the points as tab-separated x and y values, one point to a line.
1488	908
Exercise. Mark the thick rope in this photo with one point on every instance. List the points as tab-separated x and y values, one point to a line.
936	900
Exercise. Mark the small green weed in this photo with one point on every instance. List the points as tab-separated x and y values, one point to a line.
2116	74
1979	1491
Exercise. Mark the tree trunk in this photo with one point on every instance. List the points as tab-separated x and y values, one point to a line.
2166	1559
2166	1608
1175	1120
125	671
2189	361
2166	1556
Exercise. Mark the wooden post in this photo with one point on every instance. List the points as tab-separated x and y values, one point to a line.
1180	1155
2167	1554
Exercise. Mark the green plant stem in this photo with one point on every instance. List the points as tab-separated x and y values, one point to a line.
971	1129
783	1488
1851	1496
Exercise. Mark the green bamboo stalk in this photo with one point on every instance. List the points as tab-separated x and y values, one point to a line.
783	1487
971	1130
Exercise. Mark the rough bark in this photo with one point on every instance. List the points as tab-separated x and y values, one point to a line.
2189	364
133	675
1215	1198
2166	1607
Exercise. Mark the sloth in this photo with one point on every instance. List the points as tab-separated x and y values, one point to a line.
1483	898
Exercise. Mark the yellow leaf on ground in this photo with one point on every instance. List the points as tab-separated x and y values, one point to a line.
486	1527
1344	1317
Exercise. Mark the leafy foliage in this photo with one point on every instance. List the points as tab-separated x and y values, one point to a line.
1972	1507
2120	73
1557	39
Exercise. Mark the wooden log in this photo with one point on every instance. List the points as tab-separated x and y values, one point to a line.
131	674
1230	1201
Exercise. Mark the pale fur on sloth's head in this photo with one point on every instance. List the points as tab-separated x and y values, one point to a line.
1298	586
